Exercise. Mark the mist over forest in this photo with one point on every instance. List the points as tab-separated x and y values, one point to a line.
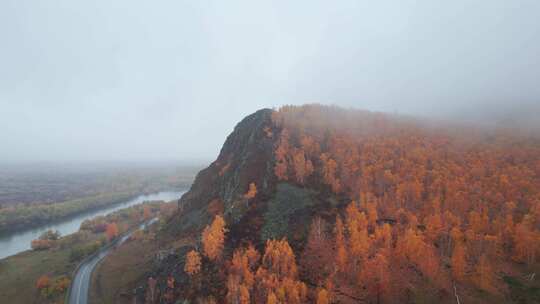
128	81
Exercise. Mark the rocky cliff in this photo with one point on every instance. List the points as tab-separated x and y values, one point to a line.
246	157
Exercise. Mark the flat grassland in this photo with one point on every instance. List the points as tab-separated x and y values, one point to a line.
18	274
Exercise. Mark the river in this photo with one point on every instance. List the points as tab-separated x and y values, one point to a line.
19	241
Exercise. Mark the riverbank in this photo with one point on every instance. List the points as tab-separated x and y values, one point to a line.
20	218
19	273
19	241
31	196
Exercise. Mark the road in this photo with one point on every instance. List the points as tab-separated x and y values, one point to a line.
81	283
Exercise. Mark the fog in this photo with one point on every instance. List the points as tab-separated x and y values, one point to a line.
168	80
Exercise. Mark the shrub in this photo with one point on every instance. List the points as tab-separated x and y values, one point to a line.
43	282
53	235
41	244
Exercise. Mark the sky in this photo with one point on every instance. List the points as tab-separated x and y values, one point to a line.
168	80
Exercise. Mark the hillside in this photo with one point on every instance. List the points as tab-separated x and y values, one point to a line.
318	204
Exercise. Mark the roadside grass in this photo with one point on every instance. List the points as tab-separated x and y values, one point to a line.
128	266
122	267
19	273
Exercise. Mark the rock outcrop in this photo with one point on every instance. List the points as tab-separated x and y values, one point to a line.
246	157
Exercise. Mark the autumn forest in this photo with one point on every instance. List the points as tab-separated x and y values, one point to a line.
450	211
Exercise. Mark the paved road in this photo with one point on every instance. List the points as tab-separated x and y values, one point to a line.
81	283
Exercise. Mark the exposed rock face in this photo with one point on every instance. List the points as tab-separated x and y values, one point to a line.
278	209
246	157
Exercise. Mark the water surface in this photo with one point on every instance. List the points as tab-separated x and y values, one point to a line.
19	241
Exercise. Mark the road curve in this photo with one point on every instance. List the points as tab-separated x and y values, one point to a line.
81	283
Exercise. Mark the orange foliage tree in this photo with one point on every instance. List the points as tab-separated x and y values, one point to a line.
375	276
41	244
459	261
111	231
527	241
277	275
281	153
484	276
252	191
193	262
147	214
341	256
241	276
213	238
317	258
322	297
43	282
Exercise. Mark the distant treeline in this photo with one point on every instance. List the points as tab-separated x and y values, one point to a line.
34	186
17	217
83	195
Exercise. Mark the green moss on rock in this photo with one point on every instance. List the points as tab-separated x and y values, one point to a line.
288	200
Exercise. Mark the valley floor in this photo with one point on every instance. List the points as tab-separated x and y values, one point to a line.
116	278
19	274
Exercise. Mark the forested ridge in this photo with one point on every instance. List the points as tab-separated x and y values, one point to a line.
377	208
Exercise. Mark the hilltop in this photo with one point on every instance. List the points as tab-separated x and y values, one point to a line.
328	205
